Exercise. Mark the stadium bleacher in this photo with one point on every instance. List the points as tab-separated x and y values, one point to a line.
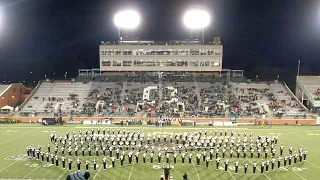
174	96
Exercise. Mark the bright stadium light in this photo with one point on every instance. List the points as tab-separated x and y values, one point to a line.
128	19
196	19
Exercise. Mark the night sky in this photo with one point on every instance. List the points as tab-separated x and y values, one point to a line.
259	36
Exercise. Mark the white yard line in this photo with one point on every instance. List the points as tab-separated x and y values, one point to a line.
9	165
97	173
130	171
62	174
32	171
18	136
297	174
298	135
231	175
313	164
259	169
196	170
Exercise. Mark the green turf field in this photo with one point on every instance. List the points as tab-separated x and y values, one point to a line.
15	138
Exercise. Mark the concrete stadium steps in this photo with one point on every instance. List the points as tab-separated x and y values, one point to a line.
57	90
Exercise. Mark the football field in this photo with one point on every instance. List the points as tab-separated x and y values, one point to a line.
15	138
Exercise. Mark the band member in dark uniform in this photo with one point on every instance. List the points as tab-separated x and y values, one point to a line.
87	165
94	164
217	163
254	167
78	164
236	165
63	162
245	168
70	162
226	165
104	162
113	161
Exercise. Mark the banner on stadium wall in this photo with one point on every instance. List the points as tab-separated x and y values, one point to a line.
318	120
233	118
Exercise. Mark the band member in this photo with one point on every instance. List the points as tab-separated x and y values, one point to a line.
52	158
251	155
137	157
121	160
63	162
182	157
226	165
117	153
290	159
70	162
281	149
279	162
290	149
300	157
190	158
167	157
151	158
198	159
259	151
245	168
262	166
217	163
144	157
78	164
285	160
87	165
89	151
305	154
42	156
254	167
113	161
82	150
207	161
70	151
159	157
236	165
295	158
204	155
175	158
94	164
76	151
57	160
267	165
104	162
238	153
130	157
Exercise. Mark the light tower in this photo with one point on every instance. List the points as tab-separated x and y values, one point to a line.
127	20
196	20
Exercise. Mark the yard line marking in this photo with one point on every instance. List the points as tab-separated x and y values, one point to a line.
130	171
62	174
97	173
259	169
313	164
196	170
231	175
32	171
297	174
9	165
18	136
298	135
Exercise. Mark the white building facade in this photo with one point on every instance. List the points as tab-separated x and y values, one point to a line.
149	56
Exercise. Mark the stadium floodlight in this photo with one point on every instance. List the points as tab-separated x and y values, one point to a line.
128	19
196	19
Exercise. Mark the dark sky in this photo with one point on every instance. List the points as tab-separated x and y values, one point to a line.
259	36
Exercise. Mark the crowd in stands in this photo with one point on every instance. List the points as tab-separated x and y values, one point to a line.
174	96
